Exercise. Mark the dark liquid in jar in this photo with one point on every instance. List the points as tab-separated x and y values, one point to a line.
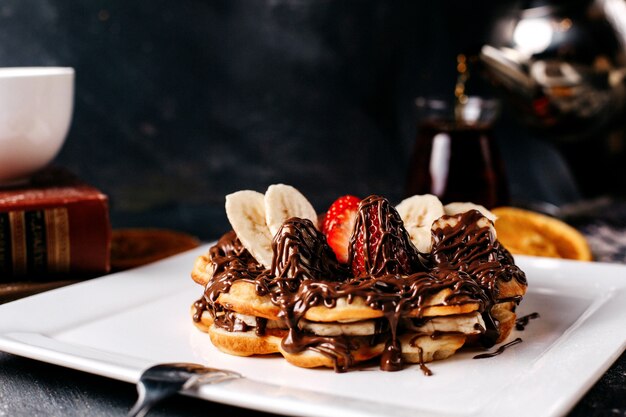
458	162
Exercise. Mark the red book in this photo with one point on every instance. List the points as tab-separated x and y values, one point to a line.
55	225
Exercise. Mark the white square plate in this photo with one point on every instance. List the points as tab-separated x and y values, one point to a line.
118	325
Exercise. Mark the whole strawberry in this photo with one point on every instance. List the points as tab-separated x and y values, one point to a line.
339	223
380	244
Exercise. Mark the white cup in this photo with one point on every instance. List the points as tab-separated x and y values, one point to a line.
36	106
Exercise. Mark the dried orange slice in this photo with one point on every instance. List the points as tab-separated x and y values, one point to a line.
525	232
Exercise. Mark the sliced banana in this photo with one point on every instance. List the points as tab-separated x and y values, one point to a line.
458	207
283	202
462	323
246	213
418	214
359	328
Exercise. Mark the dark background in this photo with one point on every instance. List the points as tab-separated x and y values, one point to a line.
178	103
181	102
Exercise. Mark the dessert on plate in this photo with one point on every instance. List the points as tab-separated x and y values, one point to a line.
407	284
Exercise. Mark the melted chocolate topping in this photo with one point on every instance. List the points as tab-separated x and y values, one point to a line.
229	322
200	307
301	252
522	322
305	273
423	366
499	351
261	326
231	262
468	247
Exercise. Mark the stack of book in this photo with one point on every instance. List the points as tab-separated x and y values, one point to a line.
54	226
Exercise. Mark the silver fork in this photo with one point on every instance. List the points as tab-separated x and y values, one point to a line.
161	381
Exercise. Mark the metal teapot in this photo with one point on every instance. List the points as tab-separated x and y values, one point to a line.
562	67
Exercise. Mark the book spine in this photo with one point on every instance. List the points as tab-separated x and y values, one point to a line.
53	241
34	242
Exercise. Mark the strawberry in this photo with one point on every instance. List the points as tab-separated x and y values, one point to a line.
338	224
381	244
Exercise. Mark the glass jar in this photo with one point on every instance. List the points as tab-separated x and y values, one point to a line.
455	156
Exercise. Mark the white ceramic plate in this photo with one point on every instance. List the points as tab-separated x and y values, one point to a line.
118	325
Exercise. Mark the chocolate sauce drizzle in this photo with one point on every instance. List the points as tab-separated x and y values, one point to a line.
423	366
305	273
261	326
231	323
200	307
300	254
231	262
467	246
522	322
390	253
499	351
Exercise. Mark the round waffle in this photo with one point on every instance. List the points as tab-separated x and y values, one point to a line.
390	301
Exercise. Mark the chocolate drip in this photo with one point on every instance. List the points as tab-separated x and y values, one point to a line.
420	321
522	322
381	332
261	326
499	350
337	348
200	306
438	334
479	327
231	323
492	330
391	359
423	367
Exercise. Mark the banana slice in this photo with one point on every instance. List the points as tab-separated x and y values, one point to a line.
458	207
246	213
418	214
283	202
359	328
